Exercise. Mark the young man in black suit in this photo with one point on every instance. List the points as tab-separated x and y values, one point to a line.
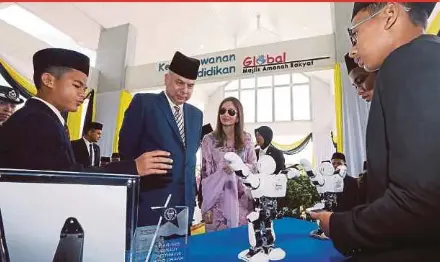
264	137
85	149
400	220
35	137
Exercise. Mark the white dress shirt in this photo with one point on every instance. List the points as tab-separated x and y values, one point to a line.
56	111
91	152
172	105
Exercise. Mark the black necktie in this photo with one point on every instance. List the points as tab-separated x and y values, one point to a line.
91	154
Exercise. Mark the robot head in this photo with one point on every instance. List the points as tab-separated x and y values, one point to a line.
326	168
266	165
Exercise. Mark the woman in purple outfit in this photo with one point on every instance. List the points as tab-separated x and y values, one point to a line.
226	201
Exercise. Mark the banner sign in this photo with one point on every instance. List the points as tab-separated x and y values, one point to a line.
308	54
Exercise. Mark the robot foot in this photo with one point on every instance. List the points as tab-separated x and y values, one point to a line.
250	255
316	208
277	254
319	234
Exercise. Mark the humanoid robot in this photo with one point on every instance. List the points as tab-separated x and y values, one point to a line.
265	187
328	182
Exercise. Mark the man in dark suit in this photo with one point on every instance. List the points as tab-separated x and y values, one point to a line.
35	137
9	99
166	122
399	222
86	151
264	136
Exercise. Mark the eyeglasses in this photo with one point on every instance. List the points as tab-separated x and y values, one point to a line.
351	30
352	34
230	111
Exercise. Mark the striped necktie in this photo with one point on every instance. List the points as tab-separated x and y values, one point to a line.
179	120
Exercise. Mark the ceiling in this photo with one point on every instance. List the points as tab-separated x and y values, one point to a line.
193	28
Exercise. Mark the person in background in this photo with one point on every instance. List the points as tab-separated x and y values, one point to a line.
226	201
9	99
349	197
105	160
362	80
35	136
264	136
85	149
166	121
115	157
400	219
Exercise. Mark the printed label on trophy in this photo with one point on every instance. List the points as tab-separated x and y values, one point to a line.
166	241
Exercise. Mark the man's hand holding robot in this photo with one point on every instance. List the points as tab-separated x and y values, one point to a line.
328	182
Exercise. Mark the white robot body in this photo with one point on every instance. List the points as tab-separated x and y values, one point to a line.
265	188
328	182
269	186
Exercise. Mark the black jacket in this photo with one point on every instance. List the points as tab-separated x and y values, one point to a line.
81	153
400	221
34	138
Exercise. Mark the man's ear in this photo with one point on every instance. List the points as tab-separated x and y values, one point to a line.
167	78
48	80
392	11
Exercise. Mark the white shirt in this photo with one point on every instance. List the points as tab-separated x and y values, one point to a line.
172	105
262	152
56	111
91	153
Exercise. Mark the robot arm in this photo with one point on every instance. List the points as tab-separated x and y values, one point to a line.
241	170
291	172
314	176
341	171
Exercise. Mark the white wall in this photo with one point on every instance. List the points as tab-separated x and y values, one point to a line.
323	115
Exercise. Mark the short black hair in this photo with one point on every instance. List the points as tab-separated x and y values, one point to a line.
116	155
56	71
417	15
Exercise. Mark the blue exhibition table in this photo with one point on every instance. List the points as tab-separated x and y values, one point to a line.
292	235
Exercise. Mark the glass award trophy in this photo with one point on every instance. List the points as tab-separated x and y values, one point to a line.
4	254
70	246
165	241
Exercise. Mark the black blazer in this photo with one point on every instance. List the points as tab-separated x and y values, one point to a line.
277	155
401	217
81	153
34	138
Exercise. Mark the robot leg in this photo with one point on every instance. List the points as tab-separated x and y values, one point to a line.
274	253
255	253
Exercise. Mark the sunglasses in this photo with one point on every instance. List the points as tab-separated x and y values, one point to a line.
230	111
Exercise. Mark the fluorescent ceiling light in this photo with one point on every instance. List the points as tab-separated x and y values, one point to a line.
40	29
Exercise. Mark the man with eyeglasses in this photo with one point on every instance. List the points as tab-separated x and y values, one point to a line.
362	80
399	222
166	121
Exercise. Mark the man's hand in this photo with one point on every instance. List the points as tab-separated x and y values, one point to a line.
228	170
324	220
155	162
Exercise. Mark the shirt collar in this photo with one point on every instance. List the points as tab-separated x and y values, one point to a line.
87	142
56	111
172	105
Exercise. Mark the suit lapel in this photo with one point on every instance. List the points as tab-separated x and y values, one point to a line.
188	123
62	129
164	105
85	150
